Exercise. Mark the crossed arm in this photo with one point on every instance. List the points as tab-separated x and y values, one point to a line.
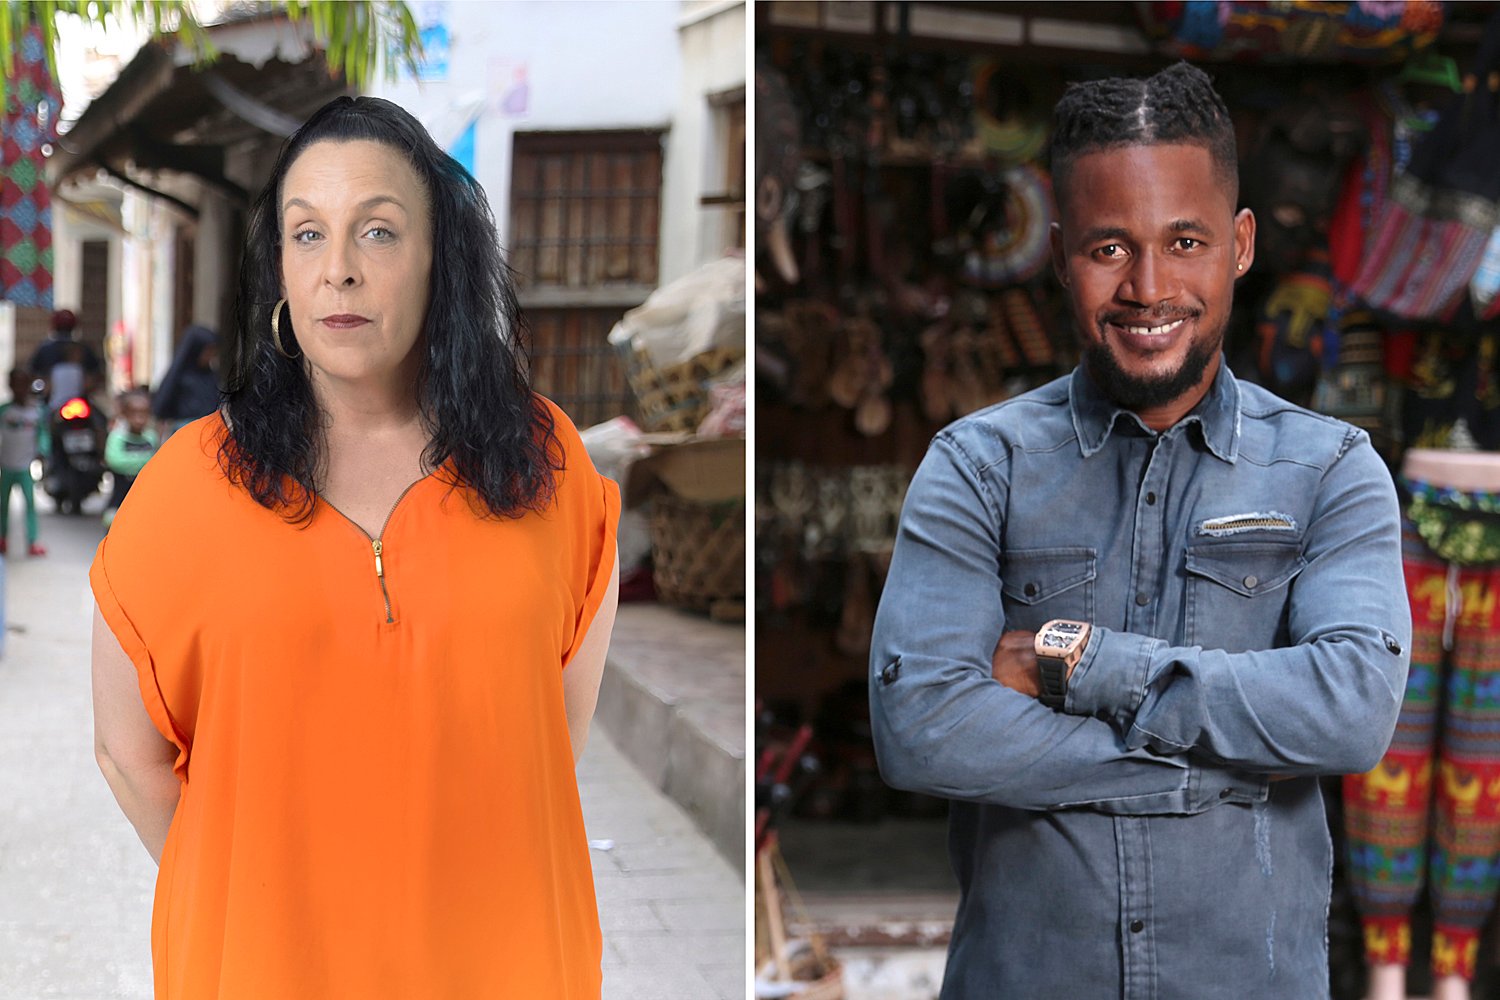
1146	727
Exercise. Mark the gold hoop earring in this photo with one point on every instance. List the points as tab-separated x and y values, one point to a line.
276	332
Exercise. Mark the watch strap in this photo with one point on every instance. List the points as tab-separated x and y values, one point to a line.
1053	672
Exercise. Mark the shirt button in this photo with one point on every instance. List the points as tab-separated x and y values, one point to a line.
1224	793
1150	499
1030	590
1136	926
1143	598
1250	582
1391	644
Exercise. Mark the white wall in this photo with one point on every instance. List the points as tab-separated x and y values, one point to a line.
712	36
588	65
214	269
67	258
146	268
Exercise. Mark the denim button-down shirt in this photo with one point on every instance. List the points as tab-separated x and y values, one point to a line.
1163	835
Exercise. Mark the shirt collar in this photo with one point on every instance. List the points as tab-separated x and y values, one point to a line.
1217	414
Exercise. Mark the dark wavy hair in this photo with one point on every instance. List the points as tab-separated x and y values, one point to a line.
1176	105
473	383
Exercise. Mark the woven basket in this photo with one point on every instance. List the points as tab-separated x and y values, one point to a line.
698	550
676	398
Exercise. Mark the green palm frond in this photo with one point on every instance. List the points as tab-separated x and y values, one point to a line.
357	36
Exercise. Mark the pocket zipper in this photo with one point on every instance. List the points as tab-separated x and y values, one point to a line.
1249	522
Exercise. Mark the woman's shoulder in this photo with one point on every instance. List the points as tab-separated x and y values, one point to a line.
566	449
562	425
181	495
192	452
184	469
580	487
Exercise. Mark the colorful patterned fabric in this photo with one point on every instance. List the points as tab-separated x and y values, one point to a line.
1447	749
1426	246
1361	200
1294	30
32	103
1296	337
1451	393
1457	526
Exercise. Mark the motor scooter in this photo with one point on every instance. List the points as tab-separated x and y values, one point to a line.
75	464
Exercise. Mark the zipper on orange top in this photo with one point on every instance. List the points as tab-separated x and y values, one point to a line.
377	545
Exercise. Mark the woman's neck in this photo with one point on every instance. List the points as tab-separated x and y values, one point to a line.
371	408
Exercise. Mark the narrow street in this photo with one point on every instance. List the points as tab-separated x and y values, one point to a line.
76	885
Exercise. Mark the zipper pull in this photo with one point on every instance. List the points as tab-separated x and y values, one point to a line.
379	570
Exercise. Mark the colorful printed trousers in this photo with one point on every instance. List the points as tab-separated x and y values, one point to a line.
1458	722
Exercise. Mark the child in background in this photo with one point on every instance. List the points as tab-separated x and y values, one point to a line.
23	436
128	448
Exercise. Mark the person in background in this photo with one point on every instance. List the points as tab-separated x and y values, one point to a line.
190	389
130	445
61	349
68	377
23	436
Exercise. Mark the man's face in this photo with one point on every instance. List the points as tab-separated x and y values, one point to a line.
1148	247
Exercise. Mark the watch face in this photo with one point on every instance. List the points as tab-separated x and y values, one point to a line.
1072	629
1051	640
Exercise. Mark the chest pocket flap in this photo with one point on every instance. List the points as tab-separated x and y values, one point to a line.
1247	568
1033	576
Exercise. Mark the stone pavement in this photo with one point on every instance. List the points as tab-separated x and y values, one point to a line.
672	909
673	700
76	885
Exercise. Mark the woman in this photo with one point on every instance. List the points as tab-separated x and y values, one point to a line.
190	389
345	719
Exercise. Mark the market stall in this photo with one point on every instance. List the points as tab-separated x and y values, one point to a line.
903	280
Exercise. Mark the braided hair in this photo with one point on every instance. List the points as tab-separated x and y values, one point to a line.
1176	106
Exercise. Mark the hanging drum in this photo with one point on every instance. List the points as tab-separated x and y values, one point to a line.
1007	120
1006	234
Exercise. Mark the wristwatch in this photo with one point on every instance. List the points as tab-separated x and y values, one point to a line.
1059	646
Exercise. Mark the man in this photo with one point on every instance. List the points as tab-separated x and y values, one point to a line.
1136	812
67	366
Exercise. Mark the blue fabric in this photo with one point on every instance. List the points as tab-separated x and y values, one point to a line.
1134	844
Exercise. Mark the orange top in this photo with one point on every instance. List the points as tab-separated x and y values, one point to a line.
378	795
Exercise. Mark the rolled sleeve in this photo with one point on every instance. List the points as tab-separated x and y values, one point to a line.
589	503
1111	677
136	649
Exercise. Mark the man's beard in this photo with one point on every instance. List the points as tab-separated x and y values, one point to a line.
1135	392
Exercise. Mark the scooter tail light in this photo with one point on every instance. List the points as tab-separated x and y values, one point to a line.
75	409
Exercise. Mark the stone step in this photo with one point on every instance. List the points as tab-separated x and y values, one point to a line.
673	701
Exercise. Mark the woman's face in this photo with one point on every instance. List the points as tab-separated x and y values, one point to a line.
356	258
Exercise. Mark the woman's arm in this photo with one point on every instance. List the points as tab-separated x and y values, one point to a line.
135	758
585	670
